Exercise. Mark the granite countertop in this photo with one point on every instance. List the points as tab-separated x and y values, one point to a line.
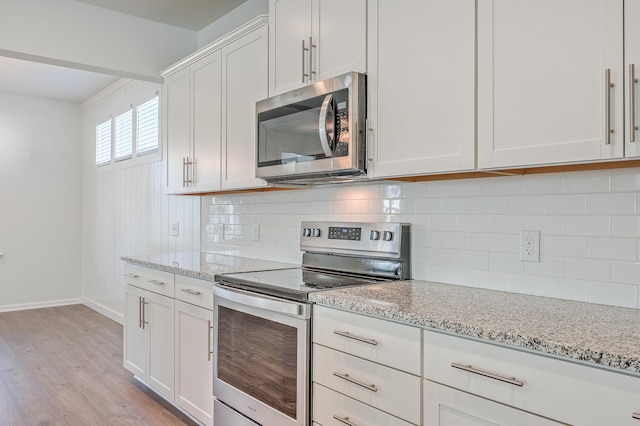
603	335
204	265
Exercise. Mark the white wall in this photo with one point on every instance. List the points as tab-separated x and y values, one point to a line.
66	32
240	15
124	211
467	231
40	202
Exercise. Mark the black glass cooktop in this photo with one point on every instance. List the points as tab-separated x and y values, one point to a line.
295	283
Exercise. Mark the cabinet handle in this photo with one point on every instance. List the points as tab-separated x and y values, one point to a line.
140	312
188	290
156	282
184	168
632	102
607	100
354	337
474	370
636	416
209	348
129	274
311	71
304	74
346	377
344	420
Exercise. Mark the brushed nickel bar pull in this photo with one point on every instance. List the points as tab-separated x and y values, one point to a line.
304	74
354	337
607	99
144	313
632	102
209	348
344	420
346	377
130	275
184	168
474	370
636	416
140	312
189	291
311	46
156	282
189	179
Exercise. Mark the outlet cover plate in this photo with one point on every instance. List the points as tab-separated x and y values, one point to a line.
530	246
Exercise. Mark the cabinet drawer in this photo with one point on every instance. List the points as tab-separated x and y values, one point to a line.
386	342
149	279
195	291
330	406
389	390
558	389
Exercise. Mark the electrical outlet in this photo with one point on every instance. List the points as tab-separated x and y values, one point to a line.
530	246
175	231
255	232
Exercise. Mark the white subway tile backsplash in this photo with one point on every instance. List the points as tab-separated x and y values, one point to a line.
466	231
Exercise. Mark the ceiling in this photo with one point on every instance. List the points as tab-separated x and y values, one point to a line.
67	84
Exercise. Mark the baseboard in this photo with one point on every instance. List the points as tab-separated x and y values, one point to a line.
107	312
37	305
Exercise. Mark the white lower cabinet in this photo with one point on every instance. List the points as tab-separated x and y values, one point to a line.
444	406
148	338
168	337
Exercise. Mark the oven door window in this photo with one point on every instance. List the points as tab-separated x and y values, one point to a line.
309	130
259	357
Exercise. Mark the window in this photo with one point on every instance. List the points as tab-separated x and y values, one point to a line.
134	133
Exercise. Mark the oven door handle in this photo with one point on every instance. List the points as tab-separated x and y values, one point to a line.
261	301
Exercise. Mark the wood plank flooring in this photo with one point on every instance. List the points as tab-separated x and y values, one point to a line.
63	366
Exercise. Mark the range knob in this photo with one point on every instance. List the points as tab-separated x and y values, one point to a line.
306	232
374	235
387	235
316	232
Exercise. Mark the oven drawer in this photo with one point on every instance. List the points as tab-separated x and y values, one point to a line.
330	406
160	282
386	342
195	291
382	387
561	390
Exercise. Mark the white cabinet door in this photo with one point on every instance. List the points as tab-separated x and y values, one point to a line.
177	130
244	82
632	63
206	80
312	40
289	32
444	406
542	95
422	86
194	368
135	337
158	316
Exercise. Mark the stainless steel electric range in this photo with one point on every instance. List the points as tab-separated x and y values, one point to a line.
263	319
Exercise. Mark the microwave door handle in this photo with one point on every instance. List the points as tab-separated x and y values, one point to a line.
322	125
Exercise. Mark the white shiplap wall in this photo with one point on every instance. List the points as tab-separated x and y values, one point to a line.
467	231
124	209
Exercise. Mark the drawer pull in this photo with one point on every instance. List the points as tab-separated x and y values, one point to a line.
636	416
194	292
474	370
354	337
344	420
156	282
130	275
346	377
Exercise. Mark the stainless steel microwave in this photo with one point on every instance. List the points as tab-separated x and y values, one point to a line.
314	134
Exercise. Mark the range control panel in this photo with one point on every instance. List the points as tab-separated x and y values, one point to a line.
382	239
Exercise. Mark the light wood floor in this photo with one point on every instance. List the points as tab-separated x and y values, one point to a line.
63	366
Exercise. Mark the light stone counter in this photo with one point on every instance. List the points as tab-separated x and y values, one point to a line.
203	265
598	334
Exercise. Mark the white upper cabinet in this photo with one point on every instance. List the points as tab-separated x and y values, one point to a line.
632	65
312	40
192	126
421	86
244	82
543	94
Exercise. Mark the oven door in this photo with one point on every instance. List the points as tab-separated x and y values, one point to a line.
261	356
